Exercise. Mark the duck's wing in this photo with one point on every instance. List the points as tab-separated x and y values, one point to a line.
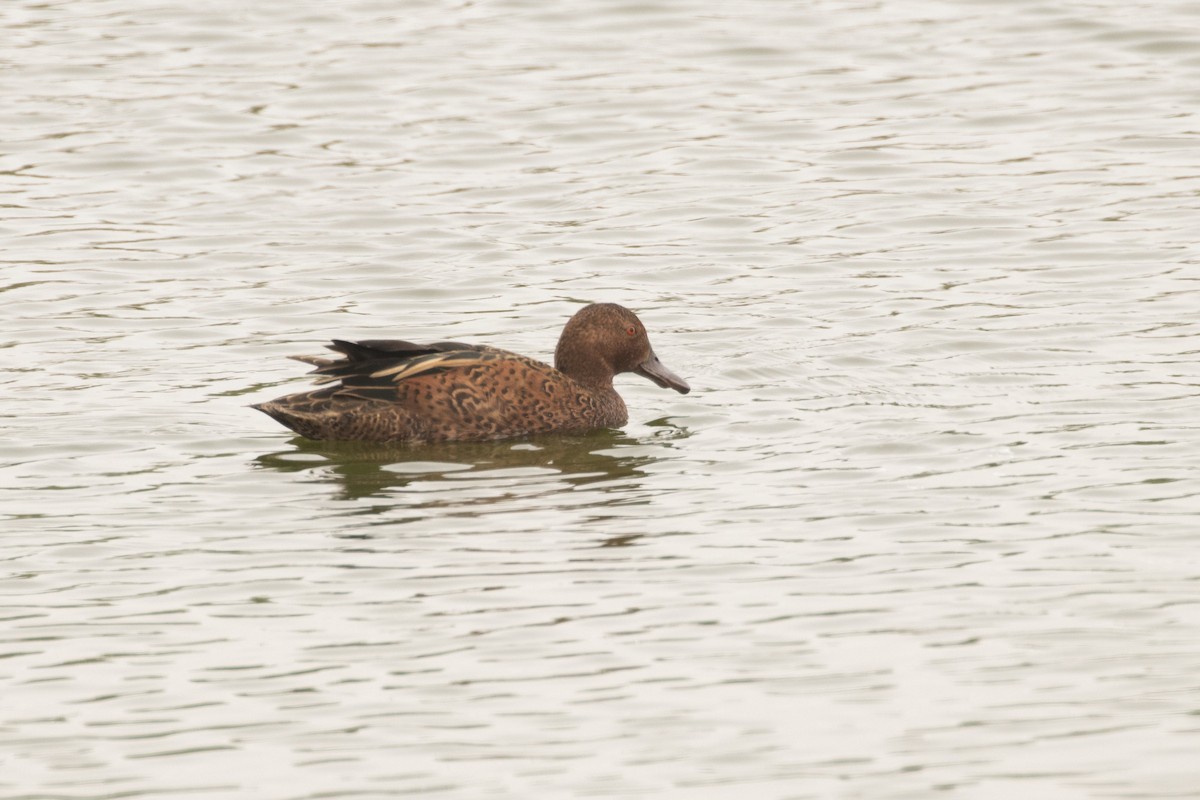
373	369
435	373
372	355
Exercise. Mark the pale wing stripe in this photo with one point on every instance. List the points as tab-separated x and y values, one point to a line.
434	361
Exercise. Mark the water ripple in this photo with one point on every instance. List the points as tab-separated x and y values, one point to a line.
925	524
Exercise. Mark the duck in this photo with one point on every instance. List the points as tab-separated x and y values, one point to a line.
385	390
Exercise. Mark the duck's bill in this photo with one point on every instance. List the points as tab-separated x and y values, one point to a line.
654	369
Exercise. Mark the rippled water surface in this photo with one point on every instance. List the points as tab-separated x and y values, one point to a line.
928	524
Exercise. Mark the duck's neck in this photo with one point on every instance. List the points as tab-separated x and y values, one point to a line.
585	368
596	376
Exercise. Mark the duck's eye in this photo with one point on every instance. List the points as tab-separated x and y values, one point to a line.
631	331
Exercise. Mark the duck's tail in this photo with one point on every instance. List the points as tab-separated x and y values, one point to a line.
300	420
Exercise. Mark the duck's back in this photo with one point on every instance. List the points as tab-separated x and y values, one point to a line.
396	391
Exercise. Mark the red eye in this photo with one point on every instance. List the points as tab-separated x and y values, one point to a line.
631	331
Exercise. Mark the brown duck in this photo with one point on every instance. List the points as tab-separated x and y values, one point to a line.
394	391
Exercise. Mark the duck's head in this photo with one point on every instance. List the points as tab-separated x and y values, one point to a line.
605	339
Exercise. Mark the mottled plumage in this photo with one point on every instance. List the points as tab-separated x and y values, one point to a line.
396	391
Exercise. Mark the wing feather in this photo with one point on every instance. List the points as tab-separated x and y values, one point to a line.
435	362
373	367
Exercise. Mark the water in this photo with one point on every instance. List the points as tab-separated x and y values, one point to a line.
926	525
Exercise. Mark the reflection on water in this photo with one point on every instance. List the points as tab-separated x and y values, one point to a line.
364	469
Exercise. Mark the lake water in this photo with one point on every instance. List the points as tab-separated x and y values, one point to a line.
927	526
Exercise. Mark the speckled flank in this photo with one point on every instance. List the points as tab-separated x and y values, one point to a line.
393	391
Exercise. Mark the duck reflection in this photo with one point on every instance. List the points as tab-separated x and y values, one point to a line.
367	470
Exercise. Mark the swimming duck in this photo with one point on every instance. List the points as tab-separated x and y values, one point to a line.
396	391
